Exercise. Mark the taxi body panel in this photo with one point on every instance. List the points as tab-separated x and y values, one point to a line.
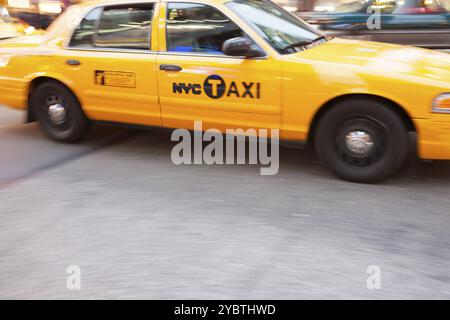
284	91
409	77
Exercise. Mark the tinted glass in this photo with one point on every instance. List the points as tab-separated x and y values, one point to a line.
83	35
125	28
198	28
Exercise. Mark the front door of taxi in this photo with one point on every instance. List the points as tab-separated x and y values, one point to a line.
198	82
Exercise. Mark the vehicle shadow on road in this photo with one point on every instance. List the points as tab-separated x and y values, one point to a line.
25	144
303	161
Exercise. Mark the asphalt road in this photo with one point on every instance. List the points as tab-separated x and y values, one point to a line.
140	227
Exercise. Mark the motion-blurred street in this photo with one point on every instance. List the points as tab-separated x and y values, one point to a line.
140	227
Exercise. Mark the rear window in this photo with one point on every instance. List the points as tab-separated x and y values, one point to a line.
83	35
118	27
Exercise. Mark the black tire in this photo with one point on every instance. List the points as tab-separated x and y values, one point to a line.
362	140
72	124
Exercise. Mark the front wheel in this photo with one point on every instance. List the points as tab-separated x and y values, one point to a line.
59	112
362	140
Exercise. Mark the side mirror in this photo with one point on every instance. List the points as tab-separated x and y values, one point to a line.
241	47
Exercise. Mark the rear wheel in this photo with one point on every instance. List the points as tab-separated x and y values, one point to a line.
59	112
362	140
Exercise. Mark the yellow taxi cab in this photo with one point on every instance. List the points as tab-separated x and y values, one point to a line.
232	64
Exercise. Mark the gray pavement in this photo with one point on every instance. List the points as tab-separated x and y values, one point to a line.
140	227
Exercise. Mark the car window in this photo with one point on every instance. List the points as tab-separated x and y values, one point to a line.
82	36
126	27
117	27
199	28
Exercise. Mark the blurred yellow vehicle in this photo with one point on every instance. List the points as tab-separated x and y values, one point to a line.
232	64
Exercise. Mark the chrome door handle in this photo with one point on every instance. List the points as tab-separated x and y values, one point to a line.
170	67
73	62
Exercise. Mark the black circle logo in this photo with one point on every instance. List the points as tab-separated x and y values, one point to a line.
214	86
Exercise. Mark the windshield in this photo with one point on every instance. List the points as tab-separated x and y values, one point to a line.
282	30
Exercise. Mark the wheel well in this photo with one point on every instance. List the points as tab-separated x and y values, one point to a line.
31	116
389	103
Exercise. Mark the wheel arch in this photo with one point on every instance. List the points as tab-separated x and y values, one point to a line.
401	111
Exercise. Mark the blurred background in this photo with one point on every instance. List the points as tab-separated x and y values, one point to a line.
36	13
423	23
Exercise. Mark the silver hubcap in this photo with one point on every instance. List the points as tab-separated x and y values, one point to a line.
359	142
57	113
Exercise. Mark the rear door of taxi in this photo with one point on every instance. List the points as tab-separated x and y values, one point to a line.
113	66
197	81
